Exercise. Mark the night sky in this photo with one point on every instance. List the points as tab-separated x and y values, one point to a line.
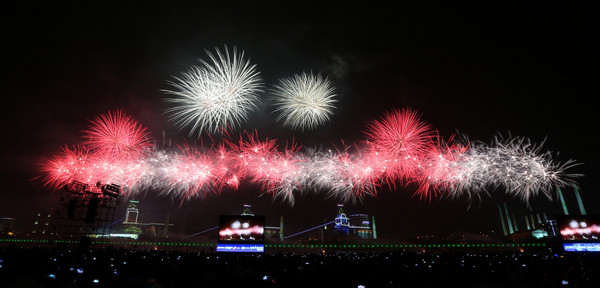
526	69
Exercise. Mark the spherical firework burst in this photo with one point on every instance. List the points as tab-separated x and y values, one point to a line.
399	141
215	96
304	101
400	132
117	134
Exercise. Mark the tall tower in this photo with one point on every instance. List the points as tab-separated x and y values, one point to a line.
342	223
246	211
577	197
85	209
132	212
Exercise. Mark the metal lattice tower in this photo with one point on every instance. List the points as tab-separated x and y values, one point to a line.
85	209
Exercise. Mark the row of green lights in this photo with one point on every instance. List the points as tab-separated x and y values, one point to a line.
292	245
36	241
405	245
153	243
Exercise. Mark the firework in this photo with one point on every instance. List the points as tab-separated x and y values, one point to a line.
117	134
520	167
344	175
400	132
215	96
82	165
65	168
304	101
190	174
400	140
400	148
277	172
444	167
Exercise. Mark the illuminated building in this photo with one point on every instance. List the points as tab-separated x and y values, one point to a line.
341	225
131	215
342	228
360	225
133	228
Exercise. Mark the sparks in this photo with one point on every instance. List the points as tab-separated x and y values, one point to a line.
304	101
215	95
400	148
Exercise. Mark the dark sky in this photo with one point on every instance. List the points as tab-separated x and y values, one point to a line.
478	69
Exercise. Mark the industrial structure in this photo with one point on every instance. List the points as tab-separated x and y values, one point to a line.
541	223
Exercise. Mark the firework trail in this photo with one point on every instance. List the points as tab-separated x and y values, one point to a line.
304	101
215	96
400	148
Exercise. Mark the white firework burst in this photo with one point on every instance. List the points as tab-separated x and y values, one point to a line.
304	101
217	95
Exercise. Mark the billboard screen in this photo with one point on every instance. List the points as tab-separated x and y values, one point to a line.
579	228
580	233
241	233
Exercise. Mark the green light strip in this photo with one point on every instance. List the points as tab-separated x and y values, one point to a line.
472	245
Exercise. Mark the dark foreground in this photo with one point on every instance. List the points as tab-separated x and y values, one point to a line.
45	267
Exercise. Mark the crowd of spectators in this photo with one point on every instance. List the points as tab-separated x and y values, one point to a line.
118	267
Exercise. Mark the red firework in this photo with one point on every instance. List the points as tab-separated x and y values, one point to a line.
438	168
193	173
263	164
400	133
65	168
117	134
398	141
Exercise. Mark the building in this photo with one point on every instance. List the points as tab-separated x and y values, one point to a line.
359	225
131	227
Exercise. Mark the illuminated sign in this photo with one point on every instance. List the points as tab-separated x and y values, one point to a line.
223	247
581	247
